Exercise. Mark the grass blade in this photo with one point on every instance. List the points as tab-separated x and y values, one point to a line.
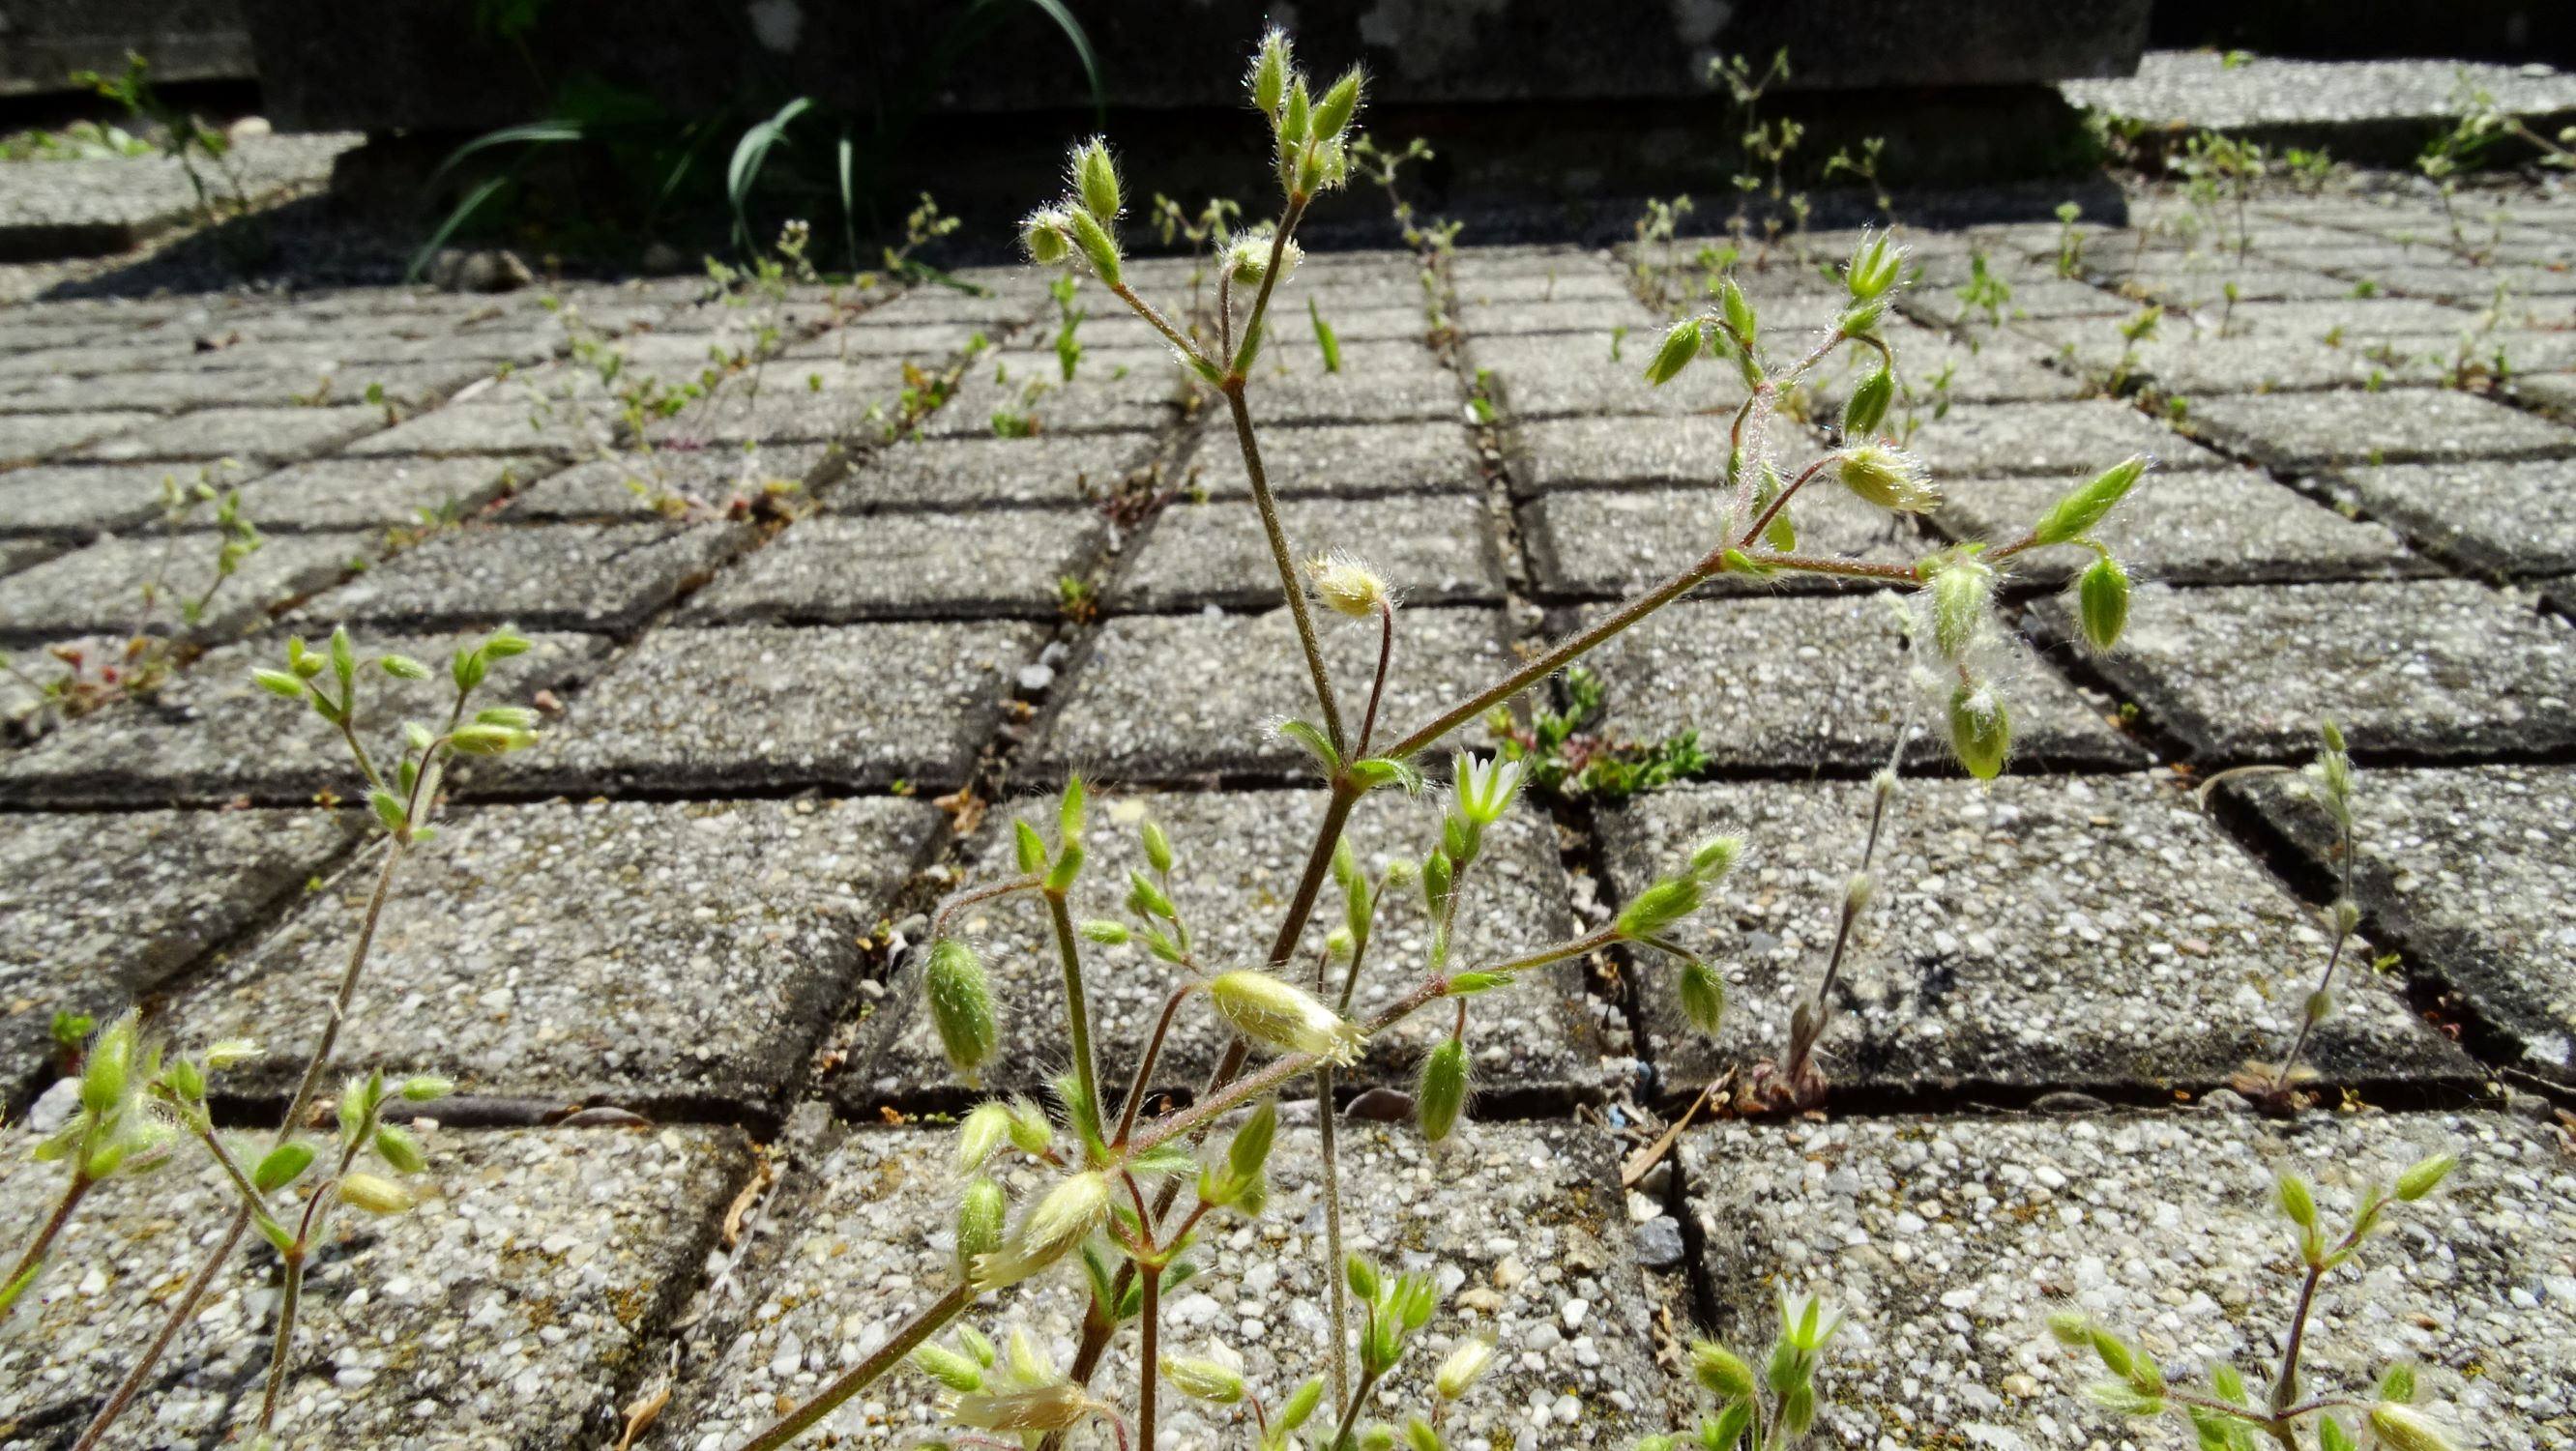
483	192
748	155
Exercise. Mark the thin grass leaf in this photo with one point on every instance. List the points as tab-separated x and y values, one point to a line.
849	199
534	133
1080	40
749	154
483	192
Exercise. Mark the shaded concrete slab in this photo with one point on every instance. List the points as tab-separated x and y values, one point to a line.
839	567
632	485
2017	940
1521	1222
1950	1243
2071	440
2468	871
1111	392
212	734
1430	549
1807	683
750	705
1168	696
2438	668
29	436
529	1281
625	952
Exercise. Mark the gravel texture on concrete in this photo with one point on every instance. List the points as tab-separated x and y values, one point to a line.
99	589
1807	683
2469	871
1339	460
2032	933
2495	516
1239	855
737	706
838	568
2305	431
394	492
1167	696
280	435
506	1308
1521	1227
95	911
83	501
1591	452
1431	549
607	578
1612	543
942	473
2431	668
623	952
2215	526
1948	1244
635	485
1111	392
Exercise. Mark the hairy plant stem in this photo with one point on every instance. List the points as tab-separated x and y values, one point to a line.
1299	610
1763	521
2285	1386
2308	1018
22	1275
1150	1316
1145	1065
1077	1015
182	1311
860	1376
1337	1336
1803	1041
1351	1412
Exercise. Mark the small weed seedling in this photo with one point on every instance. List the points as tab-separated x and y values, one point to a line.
140	1104
2226	1415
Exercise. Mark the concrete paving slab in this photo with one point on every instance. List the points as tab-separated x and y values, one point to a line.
607	578
841	567
98	589
2493	515
2216	526
1340	460
946	473
1431	549
2320	430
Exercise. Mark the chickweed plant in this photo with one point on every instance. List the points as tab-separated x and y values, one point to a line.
2226	1415
141	1105
1132	1185
139	663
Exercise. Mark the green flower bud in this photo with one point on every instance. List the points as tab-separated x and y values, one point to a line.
1962	603
1737	309
960	1373
1248	1152
2077	513
373	1194
1891	478
1293	116
1268	81
1703	995
981	1211
981	1135
1044	1408
1681	344
2403	1428
1874	267
186	1080
1047	1233
396	1146
1442	1090
2297	1202
1716	857
1158	847
1301	1404
1867	406
280	683
1031	1133
477	739
282	1166
1980	732
2425	1175
1333	113
1272	1011
2071	1329
1720	1371
1203	1380
107	1069
1030	847
1047	234
1098	247
1659	906
961	1006
2102	602
1465	1366
1105	932
1095	181
402	667
1439	878
424	1088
